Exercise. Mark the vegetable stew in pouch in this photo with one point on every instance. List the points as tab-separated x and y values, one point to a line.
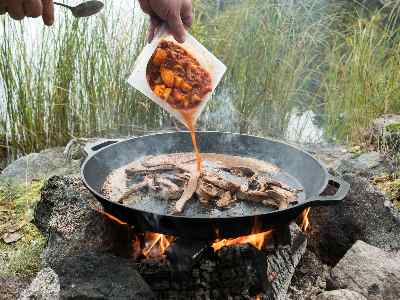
178	77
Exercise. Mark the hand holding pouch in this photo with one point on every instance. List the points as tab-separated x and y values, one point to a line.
207	61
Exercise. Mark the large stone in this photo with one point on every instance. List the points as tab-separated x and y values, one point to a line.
340	160
340	295
369	271
45	286
11	287
41	165
386	130
76	257
366	165
362	215
309	278
66	214
89	276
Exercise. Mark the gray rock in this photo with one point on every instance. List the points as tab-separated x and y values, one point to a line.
386	131
11	287
309	278
366	165
41	165
362	215
369	271
92	275
340	295
78	238
340	160
89	275
66	214
379	124
46	286
370	160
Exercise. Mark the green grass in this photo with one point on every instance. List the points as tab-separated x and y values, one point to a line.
22	257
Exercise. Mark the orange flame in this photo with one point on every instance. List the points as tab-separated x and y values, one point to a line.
257	240
305	223
156	244
110	216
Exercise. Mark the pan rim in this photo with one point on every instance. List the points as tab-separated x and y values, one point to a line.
304	203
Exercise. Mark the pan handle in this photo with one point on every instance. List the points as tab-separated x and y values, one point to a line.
343	189
91	149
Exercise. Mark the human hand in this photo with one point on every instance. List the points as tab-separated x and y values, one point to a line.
176	13
18	9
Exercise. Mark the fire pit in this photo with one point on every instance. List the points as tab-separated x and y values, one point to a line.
80	233
246	249
228	250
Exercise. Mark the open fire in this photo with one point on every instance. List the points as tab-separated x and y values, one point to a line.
256	239
304	220
155	244
151	245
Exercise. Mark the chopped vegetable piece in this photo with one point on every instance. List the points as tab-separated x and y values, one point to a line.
159	90
160	56
178	81
167	92
186	87
167	76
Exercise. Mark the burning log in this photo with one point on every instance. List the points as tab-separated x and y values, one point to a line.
221	182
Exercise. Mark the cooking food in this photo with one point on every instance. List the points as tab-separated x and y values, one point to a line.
177	77
223	180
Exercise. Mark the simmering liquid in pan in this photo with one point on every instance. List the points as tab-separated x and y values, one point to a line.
226	185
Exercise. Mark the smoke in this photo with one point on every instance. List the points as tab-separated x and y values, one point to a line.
273	96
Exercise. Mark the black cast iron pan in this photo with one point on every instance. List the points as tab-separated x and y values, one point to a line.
298	169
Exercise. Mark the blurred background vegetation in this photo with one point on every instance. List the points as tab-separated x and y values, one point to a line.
309	71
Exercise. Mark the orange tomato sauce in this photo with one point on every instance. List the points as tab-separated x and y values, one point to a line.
177	77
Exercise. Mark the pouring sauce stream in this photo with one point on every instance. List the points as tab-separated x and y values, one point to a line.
188	116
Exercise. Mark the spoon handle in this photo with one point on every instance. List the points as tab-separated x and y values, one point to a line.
62	4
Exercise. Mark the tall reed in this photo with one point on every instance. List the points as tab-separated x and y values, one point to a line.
362	79
73	83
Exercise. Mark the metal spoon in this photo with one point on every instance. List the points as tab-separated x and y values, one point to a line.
85	9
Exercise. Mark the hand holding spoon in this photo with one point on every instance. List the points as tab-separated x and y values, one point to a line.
85	9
